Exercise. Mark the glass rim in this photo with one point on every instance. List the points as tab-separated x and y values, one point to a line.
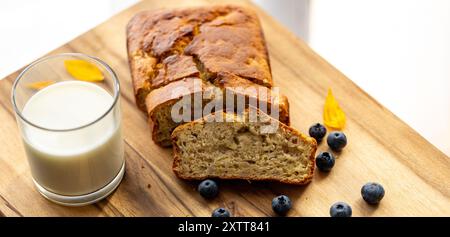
45	58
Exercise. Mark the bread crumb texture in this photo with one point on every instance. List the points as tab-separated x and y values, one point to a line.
240	150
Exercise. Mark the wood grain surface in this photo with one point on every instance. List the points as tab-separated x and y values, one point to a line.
381	148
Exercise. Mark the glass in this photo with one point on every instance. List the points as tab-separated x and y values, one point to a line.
71	130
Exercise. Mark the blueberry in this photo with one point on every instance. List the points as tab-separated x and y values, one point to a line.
317	131
208	188
341	209
325	161
221	212
336	141
281	204
372	193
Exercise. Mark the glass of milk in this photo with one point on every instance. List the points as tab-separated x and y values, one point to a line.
71	130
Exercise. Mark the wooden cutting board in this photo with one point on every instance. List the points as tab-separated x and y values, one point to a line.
381	148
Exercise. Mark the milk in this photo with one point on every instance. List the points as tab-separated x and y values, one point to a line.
79	161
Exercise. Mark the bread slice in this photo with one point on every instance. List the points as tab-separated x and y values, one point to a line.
241	148
160	101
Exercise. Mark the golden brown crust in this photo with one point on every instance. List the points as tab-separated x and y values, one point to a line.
170	46
233	43
177	159
263	95
141	68
220	38
173	68
225	38
175	91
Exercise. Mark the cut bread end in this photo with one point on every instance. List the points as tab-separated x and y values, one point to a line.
241	148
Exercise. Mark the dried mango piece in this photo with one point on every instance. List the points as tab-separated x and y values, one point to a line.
39	84
333	116
83	70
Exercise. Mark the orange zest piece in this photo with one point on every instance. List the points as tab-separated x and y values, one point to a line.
83	70
39	84
333	116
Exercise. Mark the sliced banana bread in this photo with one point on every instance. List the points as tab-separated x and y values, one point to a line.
160	101
240	147
168	49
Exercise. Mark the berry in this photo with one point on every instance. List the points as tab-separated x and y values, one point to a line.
341	209
208	188
281	204
372	193
221	212
336	141
317	131
325	161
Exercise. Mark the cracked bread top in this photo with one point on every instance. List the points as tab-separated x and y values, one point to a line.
169	45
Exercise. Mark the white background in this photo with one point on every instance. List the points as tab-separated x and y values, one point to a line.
396	50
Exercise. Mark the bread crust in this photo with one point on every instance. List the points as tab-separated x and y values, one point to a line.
170	94
171	48
223	38
175	91
251	90
177	158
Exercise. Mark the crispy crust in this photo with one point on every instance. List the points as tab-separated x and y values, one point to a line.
177	158
221	38
175	67
240	86
175	91
187	86
168	48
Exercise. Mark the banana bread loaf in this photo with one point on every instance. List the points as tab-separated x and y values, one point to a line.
242	149
215	48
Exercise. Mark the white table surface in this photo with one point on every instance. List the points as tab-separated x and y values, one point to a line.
398	51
